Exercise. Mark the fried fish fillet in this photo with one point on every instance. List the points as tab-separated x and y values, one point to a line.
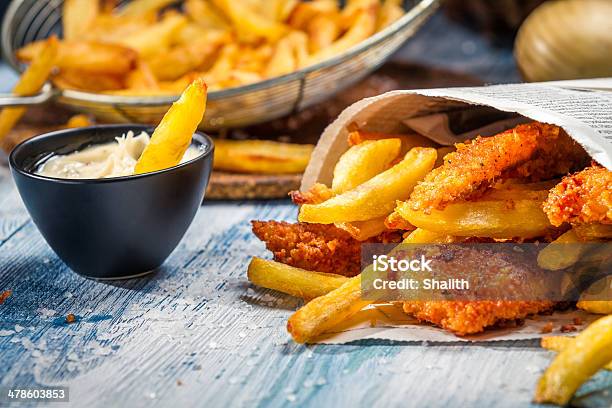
532	152
470	317
581	198
316	247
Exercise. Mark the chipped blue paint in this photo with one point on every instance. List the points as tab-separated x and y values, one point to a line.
193	323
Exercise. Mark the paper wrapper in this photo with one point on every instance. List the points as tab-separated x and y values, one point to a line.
583	108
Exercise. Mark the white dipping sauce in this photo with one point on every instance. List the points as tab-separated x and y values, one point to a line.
114	159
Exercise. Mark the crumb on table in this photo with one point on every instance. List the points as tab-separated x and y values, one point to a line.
5	295
547	328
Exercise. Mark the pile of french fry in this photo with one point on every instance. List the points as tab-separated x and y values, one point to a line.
158	47
371	183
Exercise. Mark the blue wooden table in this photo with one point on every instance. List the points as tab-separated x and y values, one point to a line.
197	334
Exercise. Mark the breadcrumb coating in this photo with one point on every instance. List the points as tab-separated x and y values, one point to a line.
471	317
531	152
581	198
315	247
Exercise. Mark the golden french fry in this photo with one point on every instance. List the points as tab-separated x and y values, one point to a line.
364	26
362	230
593	232
590	300
77	17
141	7
249	24
87	81
206	15
364	161
390	12
78	121
376	197
408	140
590	351
486	217
322	31
323	313
224	64
421	236
596	306
182	59
557	255
173	135
87	56
30	82
261	156
305	12
291	280
110	28
156	38
142	77
283	9
560	343
283	59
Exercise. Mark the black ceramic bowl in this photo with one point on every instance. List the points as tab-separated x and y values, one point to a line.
110	228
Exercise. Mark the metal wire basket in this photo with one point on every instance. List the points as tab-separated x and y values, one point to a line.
31	20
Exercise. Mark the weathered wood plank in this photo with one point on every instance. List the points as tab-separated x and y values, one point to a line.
197	323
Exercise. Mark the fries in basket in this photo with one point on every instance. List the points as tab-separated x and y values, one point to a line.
228	43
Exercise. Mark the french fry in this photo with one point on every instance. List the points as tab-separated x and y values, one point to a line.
249	24
590	351
557	255
206	15
362	162
86	56
322	31
182	59
389	12
291	280
173	135
87	81
593	232
111	28
408	140
30	82
156	38
591	299
421	236
261	156
364	26
362	230
77	17
283	60
142	7
142	77
78	121
596	306
486	217
376	197
305	12
323	313
560	343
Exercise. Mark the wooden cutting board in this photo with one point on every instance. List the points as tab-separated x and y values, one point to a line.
301	127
